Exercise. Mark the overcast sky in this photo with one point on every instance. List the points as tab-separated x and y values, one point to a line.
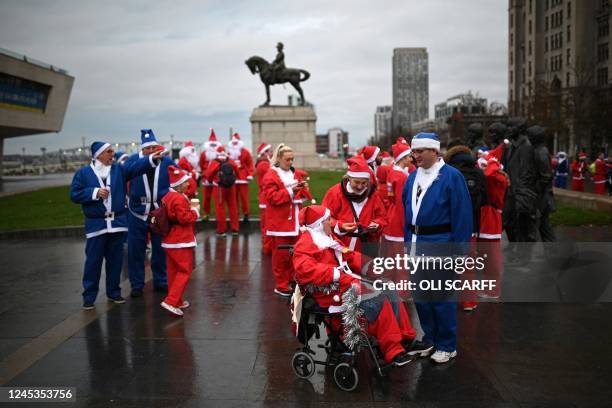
178	66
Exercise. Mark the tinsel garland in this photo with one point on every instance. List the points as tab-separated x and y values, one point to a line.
326	289
351	318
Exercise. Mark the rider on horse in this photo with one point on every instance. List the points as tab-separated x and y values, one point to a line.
278	65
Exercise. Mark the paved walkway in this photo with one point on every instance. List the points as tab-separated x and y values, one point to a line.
19	184
233	347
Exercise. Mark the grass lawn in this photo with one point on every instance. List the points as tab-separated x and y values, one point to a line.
51	207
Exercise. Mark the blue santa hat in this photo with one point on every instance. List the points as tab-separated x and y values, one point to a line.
425	141
483	149
97	148
147	138
120	155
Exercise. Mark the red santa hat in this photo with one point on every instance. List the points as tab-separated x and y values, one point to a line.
582	156
221	152
358	168
177	176
401	139
236	136
312	216
188	143
213	136
370	152
264	147
385	155
400	150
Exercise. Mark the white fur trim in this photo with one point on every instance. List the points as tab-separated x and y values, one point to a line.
402	155
393	239
425	143
358	174
100	150
320	220
147	144
376	153
265	149
181	181
180	245
94	196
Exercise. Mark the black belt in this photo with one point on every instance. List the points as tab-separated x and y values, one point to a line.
430	229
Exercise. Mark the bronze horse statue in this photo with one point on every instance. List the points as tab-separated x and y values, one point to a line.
258	65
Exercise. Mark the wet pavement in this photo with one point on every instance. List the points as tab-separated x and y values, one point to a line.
233	348
19	184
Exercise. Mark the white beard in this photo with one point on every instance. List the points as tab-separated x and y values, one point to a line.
322	240
350	189
211	154
234	150
194	160
101	169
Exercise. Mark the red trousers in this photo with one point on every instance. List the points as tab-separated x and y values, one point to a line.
599	184
266	241
179	263
282	265
207	192
387	331
242	195
226	196
577	184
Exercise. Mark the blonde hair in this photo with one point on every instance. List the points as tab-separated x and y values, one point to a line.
279	151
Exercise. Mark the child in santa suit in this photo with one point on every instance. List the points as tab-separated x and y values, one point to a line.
180	242
188	161
208	154
357	211
264	154
223	194
243	159
323	268
279	189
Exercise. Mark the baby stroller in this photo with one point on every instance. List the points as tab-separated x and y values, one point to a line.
339	355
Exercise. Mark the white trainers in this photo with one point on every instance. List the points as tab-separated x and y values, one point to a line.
185	304
174	310
443	356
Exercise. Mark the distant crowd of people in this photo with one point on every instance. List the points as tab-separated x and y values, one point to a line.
599	172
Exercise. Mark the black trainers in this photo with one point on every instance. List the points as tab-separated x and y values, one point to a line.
88	306
402	359
420	349
117	300
136	293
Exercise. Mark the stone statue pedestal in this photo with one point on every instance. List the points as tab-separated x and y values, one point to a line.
292	125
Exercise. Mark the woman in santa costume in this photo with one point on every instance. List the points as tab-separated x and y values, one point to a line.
180	242
579	169
323	268
279	189
188	161
600	176
264	154
357	211
208	154
224	192
243	159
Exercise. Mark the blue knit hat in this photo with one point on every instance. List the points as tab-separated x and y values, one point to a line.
97	148
147	138
425	141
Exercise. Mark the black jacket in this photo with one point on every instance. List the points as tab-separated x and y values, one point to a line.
519	163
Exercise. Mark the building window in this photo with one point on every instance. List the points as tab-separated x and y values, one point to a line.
545	6
511	20
511	39
530	69
569	9
603	29
530	6
602	52
511	58
568	57
569	34
529	51
546	23
602	76
530	30
567	80
511	77
545	44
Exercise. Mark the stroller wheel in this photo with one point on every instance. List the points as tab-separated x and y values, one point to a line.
346	377
303	365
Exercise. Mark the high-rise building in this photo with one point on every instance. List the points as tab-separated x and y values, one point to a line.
410	86
382	121
555	46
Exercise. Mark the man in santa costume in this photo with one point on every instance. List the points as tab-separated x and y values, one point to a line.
208	154
600	176
188	161
394	231
373	157
101	189
358	213
279	189
382	176
324	269
222	174
561	170
264	154
145	194
180	242
243	159
438	209
579	169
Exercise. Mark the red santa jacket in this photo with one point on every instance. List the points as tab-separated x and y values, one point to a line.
182	219
601	172
304	194
382	174
193	183
212	171
491	213
372	210
394	231
316	273
244	161
261	168
281	211
578	169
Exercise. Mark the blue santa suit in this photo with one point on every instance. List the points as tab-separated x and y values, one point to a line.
445	202
105	223
145	195
561	173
